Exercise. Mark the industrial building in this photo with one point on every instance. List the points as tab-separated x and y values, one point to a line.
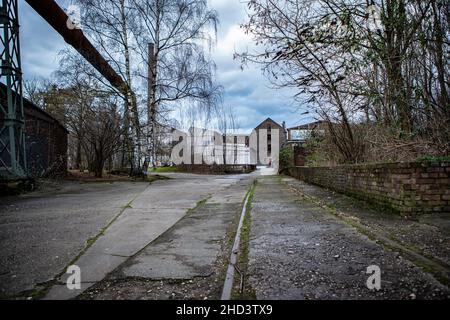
45	141
212	147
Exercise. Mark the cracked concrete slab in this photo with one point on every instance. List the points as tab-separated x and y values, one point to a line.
95	266
145	219
191	247
134	229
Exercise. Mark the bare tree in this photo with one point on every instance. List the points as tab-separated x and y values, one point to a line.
102	130
171	37
108	23
35	88
302	51
227	125
90	107
367	62
178	68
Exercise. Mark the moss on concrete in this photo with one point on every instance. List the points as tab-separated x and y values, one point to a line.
248	292
427	263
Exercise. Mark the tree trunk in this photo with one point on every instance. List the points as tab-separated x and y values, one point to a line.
395	30
130	96
440	65
78	155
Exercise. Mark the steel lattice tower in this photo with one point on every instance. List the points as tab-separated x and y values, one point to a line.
12	124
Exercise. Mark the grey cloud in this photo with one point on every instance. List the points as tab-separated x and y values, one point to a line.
247	91
40	44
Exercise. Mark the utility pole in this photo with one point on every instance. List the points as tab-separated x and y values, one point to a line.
151	103
12	125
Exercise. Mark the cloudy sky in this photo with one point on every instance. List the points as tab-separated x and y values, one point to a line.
247	91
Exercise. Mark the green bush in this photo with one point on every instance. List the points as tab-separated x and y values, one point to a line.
318	151
432	158
286	157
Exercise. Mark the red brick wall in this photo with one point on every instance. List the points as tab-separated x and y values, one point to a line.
409	188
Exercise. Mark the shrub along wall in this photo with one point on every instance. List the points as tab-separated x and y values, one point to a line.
409	188
216	169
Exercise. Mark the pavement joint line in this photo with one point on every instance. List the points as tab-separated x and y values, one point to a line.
118	255
199	203
442	272
41	289
229	279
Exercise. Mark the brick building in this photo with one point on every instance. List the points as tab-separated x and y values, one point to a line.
265	138
45	139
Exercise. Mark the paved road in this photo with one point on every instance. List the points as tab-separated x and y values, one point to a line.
299	250
171	240
101	224
42	232
189	260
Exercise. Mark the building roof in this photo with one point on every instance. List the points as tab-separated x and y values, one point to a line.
269	120
309	126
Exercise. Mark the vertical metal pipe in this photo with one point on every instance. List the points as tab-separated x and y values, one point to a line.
151	108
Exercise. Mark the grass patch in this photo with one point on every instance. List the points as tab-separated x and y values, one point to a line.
164	169
432	158
155	177
198	205
38	292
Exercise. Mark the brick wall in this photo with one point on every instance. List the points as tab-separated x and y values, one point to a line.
46	143
409	188
45	140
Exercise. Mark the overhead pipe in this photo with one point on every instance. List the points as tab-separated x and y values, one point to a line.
58	19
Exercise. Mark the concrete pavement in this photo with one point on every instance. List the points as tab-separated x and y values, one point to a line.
187	261
172	240
40	233
190	248
118	219
147	217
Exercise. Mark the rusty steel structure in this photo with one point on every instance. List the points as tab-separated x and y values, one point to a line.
57	18
12	123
